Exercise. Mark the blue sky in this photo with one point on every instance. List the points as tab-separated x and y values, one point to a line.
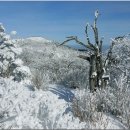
56	20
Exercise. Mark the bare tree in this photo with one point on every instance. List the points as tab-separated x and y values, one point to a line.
97	73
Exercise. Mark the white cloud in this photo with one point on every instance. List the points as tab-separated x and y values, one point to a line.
13	33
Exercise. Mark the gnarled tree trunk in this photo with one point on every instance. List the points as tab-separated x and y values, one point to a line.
97	77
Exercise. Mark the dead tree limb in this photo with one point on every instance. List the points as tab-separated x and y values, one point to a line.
109	56
97	64
88	40
77	41
84	57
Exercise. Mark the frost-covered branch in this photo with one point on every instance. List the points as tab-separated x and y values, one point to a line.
77	41
109	56
95	29
84	57
88	40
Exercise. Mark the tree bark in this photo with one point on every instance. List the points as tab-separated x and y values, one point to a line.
92	73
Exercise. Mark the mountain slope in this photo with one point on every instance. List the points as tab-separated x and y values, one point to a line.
57	64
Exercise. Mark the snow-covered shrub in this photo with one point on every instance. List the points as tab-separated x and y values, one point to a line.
14	105
40	80
120	60
59	63
85	107
10	64
115	101
120	80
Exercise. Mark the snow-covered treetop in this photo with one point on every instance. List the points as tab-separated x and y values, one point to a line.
2	29
3	35
96	13
10	64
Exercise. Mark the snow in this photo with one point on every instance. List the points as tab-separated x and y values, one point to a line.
23	107
18	62
17	50
105	121
94	74
6	37
34	109
38	39
106	76
2	29
23	69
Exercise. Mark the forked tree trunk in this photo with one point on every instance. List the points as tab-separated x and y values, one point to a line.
97	65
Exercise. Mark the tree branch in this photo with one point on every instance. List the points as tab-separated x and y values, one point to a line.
84	57
100	45
82	50
77	41
95	30
88	40
109	55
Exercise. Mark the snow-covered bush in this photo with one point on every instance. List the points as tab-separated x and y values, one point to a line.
14	100
40	80
58	64
84	107
116	101
120	60
10	64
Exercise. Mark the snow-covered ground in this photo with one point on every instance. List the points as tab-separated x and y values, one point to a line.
22	107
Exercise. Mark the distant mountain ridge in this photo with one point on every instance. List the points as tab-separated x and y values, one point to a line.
38	39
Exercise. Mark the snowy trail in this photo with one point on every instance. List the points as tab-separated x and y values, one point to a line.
34	109
62	92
